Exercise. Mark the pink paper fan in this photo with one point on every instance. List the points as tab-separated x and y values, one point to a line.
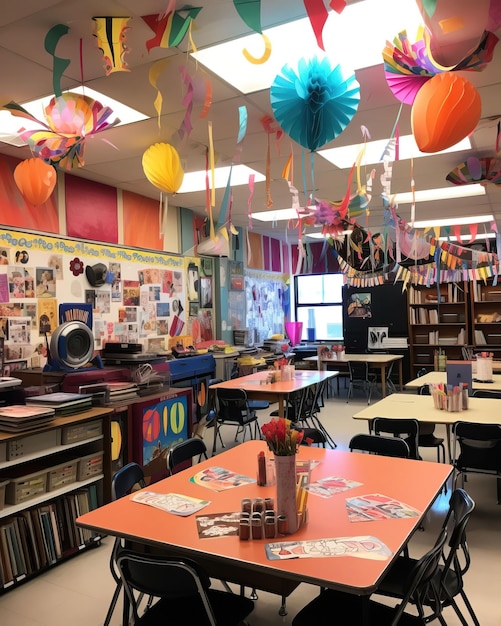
405	86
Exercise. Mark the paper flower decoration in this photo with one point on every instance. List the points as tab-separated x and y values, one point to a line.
446	109
475	170
314	103
407	66
70	119
76	266
111	34
35	179
162	167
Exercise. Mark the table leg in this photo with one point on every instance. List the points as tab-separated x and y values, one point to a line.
383	380
400	375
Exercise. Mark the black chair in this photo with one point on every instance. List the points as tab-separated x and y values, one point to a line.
233	409
255	405
419	586
486	393
185	451
182	590
427	437
476	449
405	428
311	436
360	378
125	479
455	562
378	444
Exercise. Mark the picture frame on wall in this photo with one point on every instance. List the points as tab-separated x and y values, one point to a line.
193	283
236	269
193	310
206	292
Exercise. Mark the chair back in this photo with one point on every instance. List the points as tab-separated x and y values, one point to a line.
378	444
125	479
486	393
233	406
185	451
461	507
422	587
406	428
476	447
358	371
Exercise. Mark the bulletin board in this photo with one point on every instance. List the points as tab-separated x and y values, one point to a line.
146	297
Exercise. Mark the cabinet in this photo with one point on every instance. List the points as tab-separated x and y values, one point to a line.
438	322
486	317
48	477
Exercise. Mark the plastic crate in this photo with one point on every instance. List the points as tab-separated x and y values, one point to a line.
80	432
61	475
24	488
90	465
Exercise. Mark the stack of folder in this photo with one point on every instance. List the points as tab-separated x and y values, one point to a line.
62	402
17	418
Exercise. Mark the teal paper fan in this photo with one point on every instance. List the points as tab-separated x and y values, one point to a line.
314	103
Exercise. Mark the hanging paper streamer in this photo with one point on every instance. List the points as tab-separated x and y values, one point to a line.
408	66
156	70
59	65
271	129
111	34
317	14
186	125
446	110
476	170
70	119
314	103
266	53
250	12
170	28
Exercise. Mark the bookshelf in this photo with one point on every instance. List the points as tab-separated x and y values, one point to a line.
438	322
485	301
48	477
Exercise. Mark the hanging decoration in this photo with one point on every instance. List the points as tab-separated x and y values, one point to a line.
162	167
70	119
170	27
35	179
111	35
250	12
446	110
59	64
475	170
157	68
408	66
315	102
270	128
317	14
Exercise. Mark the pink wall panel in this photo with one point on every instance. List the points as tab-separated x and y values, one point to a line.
91	210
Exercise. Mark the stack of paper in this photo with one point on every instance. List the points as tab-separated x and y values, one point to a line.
62	402
19	417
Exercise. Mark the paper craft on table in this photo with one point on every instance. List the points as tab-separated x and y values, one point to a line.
170	502
327	487
219	479
375	506
218	525
363	547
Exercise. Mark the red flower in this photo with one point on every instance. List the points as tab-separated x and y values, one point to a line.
282	439
76	266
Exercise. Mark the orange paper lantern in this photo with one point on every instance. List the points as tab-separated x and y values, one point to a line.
162	167
35	179
446	109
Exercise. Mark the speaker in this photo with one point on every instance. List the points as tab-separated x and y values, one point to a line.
72	345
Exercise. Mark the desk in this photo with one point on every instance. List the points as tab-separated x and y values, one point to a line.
245	562
421	408
433	378
375	360
279	392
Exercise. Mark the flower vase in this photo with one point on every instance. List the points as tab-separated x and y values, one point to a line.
285	472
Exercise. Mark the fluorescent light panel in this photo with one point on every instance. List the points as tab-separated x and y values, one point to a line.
355	38
195	181
454	221
10	125
468	237
441	193
344	156
277	216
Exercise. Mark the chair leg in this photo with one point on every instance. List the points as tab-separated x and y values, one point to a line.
113	603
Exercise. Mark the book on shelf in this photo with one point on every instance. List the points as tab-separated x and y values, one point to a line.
19	417
433	316
480	337
62	402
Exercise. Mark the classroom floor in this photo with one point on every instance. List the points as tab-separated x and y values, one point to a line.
78	592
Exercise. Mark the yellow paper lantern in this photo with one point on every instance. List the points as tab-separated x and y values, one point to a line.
35	179
162	167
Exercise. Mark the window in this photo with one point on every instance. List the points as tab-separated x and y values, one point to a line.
319	305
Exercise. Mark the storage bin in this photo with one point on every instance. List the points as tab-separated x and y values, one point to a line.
90	465
74	433
24	488
450	318
2	493
493	296
494	338
424	359
61	475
